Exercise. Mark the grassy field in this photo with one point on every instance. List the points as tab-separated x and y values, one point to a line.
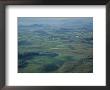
55	45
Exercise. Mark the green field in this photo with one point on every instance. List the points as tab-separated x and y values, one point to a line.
55	45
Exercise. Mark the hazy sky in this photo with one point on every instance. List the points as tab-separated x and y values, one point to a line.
46	20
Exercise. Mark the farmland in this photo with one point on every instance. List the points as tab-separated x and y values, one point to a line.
55	45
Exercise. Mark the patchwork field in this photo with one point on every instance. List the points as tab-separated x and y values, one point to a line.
55	45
